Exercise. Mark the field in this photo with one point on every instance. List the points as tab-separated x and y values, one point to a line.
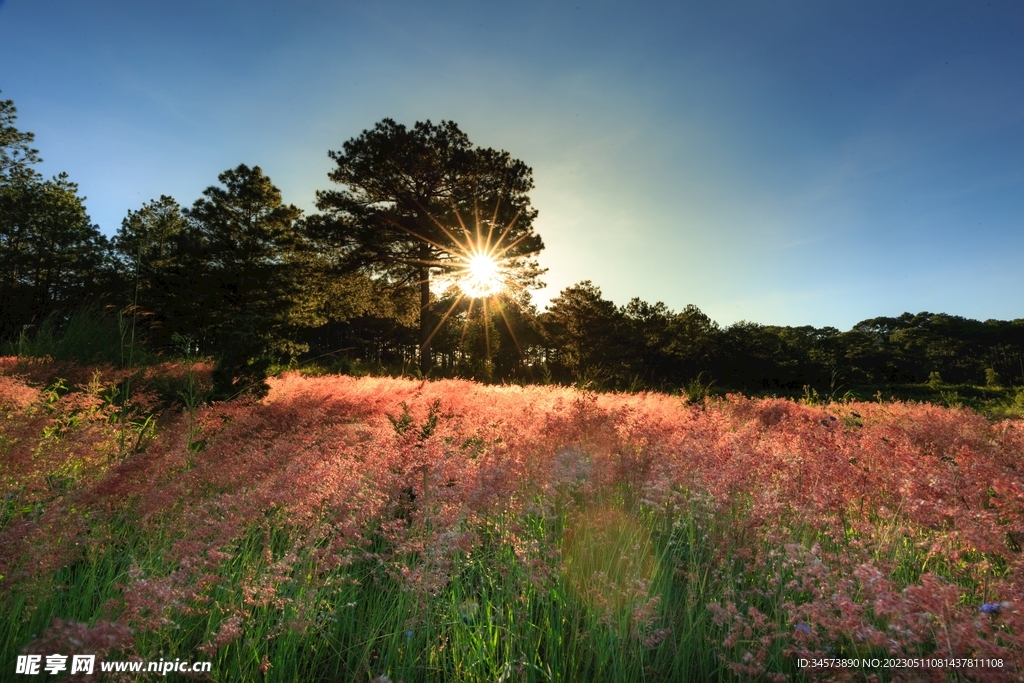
348	529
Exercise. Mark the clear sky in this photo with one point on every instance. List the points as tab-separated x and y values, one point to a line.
781	162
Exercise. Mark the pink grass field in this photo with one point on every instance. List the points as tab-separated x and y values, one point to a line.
884	527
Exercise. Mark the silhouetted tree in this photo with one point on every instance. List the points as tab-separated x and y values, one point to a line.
414	201
649	330
518	350
366	320
251	280
155	281
695	345
586	336
51	255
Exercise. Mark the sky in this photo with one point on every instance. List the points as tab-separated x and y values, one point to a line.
789	163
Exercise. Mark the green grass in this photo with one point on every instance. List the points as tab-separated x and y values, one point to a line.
88	335
493	620
566	614
998	402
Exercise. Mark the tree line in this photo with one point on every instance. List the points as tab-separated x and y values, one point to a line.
371	281
652	344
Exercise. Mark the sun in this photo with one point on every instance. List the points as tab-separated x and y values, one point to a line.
477	268
483	267
482	276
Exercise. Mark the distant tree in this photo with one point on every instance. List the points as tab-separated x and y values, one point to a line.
414	201
518	349
586	336
148	238
250	278
751	357
1004	348
650	340
51	255
497	342
365	320
695	345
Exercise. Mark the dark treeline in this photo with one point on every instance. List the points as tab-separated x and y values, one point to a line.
244	278
589	336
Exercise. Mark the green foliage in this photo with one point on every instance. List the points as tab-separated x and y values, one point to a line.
51	255
87	335
402	423
650	346
1016	403
951	399
584	333
256	286
495	620
638	346
153	277
248	279
16	154
699	388
623	595
192	392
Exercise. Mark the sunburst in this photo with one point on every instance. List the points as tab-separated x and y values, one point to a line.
480	272
482	276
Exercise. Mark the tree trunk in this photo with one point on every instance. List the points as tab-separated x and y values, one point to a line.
426	321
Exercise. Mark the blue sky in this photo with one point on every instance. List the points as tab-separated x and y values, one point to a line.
786	163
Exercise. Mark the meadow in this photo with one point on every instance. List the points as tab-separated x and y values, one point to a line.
383	529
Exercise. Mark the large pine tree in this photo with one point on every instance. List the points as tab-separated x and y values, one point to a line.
249	278
415	203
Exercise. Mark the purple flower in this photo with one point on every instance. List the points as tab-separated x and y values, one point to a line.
990	608
803	627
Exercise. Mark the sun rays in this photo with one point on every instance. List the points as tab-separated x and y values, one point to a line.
483	277
479	270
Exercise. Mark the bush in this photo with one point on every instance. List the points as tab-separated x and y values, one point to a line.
88	335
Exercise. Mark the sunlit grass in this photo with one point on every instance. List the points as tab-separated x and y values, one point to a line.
349	529
494	620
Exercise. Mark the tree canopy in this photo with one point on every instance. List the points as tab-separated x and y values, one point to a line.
249	274
16	154
420	202
51	254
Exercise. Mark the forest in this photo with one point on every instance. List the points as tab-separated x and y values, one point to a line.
370	284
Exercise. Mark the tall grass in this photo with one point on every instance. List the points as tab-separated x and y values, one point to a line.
495	620
91	334
347	529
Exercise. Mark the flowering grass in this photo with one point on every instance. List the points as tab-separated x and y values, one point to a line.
374	529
